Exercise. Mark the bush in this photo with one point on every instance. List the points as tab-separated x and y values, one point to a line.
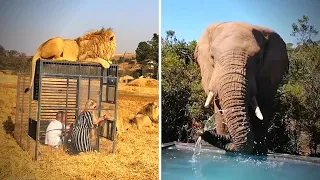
182	94
298	102
14	60
136	74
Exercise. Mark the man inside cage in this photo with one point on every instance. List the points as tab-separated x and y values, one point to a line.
56	130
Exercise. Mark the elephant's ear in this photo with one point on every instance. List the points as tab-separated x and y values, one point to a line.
275	62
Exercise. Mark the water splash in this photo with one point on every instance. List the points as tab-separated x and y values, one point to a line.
210	124
197	146
196	151
195	160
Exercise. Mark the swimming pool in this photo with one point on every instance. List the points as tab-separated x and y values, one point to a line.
179	162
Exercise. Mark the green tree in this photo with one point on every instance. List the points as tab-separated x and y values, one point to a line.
13	60
304	31
155	53
182	94
155	47
298	99
143	51
148	50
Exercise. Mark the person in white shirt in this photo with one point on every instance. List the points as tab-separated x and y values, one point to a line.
55	130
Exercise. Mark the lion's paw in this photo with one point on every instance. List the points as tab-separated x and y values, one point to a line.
106	64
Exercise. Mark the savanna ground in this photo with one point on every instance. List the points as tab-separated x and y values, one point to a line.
136	154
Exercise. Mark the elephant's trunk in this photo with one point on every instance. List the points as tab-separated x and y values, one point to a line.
233	95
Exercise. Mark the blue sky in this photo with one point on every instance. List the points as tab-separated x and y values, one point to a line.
25	24
190	18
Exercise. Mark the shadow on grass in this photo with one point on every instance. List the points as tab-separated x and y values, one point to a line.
8	126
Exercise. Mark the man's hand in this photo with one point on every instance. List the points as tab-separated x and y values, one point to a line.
64	133
197	124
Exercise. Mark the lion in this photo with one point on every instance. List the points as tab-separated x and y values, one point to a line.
120	125
94	47
146	116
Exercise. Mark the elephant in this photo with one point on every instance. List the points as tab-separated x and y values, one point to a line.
242	66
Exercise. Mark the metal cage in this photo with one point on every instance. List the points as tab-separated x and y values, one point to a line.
66	86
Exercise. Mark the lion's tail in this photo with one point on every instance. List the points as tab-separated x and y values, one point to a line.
33	68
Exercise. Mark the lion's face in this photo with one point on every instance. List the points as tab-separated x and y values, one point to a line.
155	111
100	43
110	38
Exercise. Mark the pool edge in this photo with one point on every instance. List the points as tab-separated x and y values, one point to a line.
210	148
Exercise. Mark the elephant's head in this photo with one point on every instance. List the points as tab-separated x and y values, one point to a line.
236	67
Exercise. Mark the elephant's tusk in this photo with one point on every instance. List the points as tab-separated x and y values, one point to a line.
258	113
209	99
256	108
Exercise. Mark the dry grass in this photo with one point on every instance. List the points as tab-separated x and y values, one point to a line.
139	89
127	56
144	82
125	66
136	152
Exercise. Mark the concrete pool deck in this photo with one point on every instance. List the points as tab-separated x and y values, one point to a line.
210	148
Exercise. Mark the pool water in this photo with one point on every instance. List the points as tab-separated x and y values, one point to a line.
184	165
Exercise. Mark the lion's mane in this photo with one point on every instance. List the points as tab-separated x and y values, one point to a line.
151	110
99	43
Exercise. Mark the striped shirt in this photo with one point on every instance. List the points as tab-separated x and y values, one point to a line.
80	134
